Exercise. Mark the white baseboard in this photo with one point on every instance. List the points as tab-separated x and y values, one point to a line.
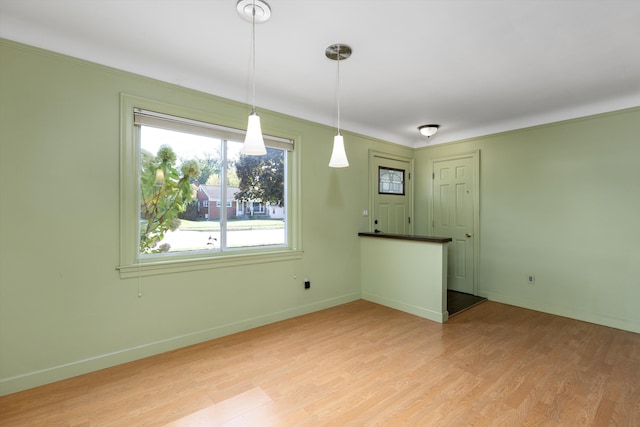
598	319
79	367
407	308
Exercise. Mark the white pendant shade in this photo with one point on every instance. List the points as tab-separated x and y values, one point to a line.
338	156
253	141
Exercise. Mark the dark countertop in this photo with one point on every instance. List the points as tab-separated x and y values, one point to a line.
410	237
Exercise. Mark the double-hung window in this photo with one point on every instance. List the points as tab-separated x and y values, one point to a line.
191	199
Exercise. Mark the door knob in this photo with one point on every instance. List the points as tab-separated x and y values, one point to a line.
468	234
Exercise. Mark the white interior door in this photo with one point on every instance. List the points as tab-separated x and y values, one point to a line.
453	216
392	195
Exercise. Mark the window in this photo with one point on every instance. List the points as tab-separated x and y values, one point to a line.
257	208
172	166
390	181
180	157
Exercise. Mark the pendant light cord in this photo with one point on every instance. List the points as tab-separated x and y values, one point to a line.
338	88
253	56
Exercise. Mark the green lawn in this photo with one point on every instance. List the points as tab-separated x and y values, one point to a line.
247	224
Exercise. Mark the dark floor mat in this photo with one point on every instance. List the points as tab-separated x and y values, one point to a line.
457	302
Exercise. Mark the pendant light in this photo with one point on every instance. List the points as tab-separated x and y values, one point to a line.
254	11
338	52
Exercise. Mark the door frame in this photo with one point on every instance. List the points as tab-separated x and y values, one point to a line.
373	183
475	156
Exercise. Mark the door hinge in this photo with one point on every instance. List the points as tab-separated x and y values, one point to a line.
409	220
433	175
409	175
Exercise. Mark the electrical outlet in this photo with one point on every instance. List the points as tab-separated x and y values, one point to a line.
531	279
307	284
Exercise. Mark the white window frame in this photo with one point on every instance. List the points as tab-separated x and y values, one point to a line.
131	264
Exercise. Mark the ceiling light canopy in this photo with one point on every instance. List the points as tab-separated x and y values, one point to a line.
245	9
338	52
428	130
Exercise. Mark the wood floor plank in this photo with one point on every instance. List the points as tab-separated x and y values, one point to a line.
225	411
364	364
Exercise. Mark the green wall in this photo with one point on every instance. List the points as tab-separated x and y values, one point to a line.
561	201
63	308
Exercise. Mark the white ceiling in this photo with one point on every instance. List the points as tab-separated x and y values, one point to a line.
473	66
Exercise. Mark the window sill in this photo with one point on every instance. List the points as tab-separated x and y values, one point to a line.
194	264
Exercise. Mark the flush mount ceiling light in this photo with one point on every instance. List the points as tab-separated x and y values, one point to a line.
254	11
338	52
428	130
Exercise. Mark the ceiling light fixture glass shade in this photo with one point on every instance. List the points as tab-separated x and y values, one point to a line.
253	10
338	52
253	141
338	155
428	130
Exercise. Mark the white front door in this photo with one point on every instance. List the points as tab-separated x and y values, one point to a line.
453	216
392	195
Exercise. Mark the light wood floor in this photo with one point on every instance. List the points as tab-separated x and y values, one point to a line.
363	364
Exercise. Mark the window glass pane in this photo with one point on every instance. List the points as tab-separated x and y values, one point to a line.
179	189
259	191
390	181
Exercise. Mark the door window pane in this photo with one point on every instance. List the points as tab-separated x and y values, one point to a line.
390	181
